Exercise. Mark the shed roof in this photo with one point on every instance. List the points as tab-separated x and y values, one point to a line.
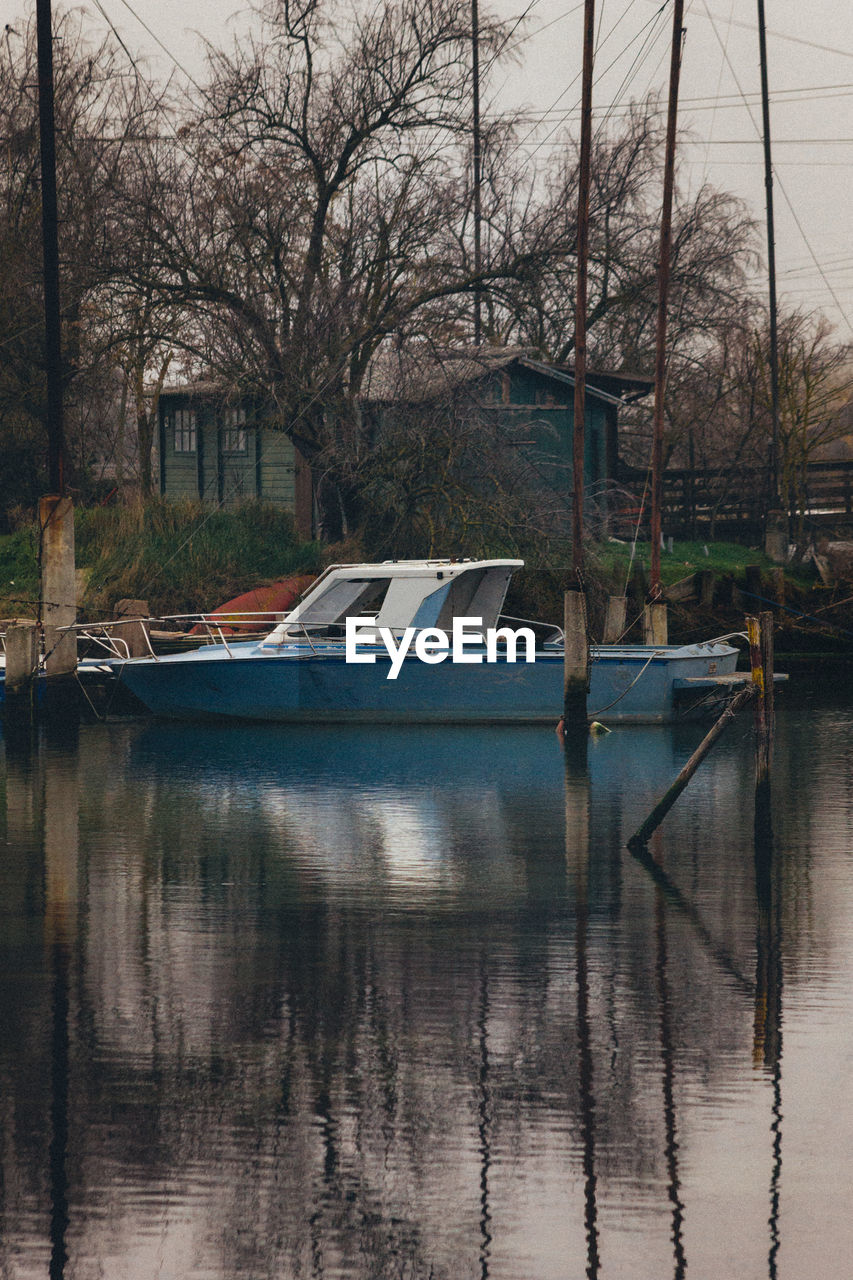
415	377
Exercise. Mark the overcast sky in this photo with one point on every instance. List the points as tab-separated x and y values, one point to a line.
810	54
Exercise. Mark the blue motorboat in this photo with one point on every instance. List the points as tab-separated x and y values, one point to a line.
377	643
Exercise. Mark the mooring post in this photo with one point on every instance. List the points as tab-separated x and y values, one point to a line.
663	806
59	586
21	657
575	665
655	629
756	663
614	622
764	742
135	631
21	668
765	621
760	631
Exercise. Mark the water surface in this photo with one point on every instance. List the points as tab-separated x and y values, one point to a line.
396	1002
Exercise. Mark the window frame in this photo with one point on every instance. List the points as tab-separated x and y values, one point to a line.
184	431
234	434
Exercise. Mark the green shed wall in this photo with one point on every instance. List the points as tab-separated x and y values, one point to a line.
277	469
266	470
542	410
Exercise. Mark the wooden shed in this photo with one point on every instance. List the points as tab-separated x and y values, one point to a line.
531	400
215	447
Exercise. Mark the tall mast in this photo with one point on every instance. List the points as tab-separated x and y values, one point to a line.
771	260
49	222
478	257
663	293
580	304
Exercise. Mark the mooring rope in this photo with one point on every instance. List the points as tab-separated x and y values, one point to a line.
657	653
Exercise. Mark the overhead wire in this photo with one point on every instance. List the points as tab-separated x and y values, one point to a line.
716	96
781	185
782	35
717	102
164	47
574	81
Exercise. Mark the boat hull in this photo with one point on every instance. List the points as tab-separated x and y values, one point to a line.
629	684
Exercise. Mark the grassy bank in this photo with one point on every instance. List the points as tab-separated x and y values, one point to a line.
813	620
183	558
179	556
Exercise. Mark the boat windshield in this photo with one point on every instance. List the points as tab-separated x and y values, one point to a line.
418	594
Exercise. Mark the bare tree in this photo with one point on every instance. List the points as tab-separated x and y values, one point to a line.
312	207
814	386
102	110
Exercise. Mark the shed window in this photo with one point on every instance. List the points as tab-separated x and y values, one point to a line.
185	434
234	438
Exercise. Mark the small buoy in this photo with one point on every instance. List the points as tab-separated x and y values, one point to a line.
597	727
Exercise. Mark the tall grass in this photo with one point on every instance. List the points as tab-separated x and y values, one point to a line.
179	556
19	573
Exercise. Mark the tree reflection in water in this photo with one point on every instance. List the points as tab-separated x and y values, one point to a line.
358	1005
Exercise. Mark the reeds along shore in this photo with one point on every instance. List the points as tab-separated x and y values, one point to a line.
181	557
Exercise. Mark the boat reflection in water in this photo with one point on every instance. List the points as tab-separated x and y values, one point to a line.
348	1003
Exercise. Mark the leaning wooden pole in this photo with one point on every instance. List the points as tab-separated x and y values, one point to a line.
663	806
663	296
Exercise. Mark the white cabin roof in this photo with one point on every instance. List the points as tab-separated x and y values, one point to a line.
402	593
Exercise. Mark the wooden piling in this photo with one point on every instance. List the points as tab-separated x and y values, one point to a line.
706	588
760	632
764	748
759	681
655	629
663	806
135	631
765	621
21	657
614	622
59	587
575	666
21	670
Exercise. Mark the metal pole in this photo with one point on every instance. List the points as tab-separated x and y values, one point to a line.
478	257
771	260
49	222
580	306
663	292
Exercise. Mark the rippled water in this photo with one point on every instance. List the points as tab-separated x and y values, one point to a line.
399	1003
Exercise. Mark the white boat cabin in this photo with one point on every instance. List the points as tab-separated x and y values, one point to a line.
398	594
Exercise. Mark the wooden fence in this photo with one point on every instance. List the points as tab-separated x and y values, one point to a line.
732	502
